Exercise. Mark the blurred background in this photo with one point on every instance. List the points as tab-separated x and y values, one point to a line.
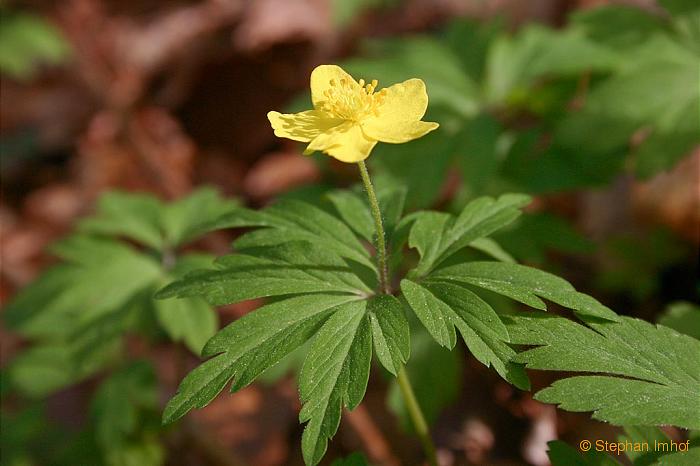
591	106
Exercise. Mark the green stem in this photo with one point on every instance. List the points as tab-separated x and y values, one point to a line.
409	397
379	227
417	417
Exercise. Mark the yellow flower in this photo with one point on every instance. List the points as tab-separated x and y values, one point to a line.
350	117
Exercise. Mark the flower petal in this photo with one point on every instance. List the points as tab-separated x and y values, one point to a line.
303	126
321	78
398	132
346	143
398	118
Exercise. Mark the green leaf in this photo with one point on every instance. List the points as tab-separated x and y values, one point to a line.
421	164
441	307
429	362
535	235
390	332
617	26
683	317
290	268
190	320
648	374
561	454
689	458
646	438
629	96
354	211
334	375
116	406
192	216
83	289
296	221
426	58
148	221
483	332
480	154
524	284
437	236
132	216
356	459
513	64
679	7
43	369
249	345
345	11
437	317
491	248
27	41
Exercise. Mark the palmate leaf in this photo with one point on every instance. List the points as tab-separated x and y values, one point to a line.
442	307
190	320
335	374
354	210
116	406
437	236
390	332
645	374
289	268
150	222
441	296
82	288
248	346
295	221
333	300
524	284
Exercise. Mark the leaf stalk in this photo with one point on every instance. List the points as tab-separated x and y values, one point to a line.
414	410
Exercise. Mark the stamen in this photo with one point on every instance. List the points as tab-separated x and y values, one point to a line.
353	103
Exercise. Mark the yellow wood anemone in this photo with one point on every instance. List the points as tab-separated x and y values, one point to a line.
350	117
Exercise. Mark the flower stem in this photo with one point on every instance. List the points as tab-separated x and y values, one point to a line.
379	228
409	397
417	417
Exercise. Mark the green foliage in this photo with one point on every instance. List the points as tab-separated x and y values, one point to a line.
77	313
561	454
74	310
517	111
683	317
27	41
122	409
356	459
539	110
322	280
645	374
429	362
645	439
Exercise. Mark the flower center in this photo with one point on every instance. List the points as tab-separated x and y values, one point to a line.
351	102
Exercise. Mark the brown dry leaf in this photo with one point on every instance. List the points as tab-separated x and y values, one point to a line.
269	22
253	423
278	172
673	198
147	152
57	205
